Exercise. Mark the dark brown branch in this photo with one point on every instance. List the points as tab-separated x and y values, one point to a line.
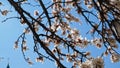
46	12
9	18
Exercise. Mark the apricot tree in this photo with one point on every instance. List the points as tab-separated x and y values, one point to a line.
55	27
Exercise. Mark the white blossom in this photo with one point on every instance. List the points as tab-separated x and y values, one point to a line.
86	64
4	12
36	13
98	63
115	57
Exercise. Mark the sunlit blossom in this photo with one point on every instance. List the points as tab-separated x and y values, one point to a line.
115	57
54	26
85	65
54	50
26	31
66	9
30	62
24	46
36	24
69	59
115	2
68	55
98	62
87	53
75	64
69	36
85	41
57	42
4	12
46	42
36	13
22	21
16	45
86	2
36	28
40	59
74	32
75	54
112	42
89	6
106	53
97	42
54	12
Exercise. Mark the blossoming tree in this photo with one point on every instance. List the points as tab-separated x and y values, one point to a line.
55	27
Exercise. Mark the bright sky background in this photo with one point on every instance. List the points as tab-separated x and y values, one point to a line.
9	32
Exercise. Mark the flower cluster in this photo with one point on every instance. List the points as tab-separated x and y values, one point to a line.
93	63
98	62
116	3
97	42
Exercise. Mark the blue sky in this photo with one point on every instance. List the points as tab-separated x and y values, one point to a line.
9	32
